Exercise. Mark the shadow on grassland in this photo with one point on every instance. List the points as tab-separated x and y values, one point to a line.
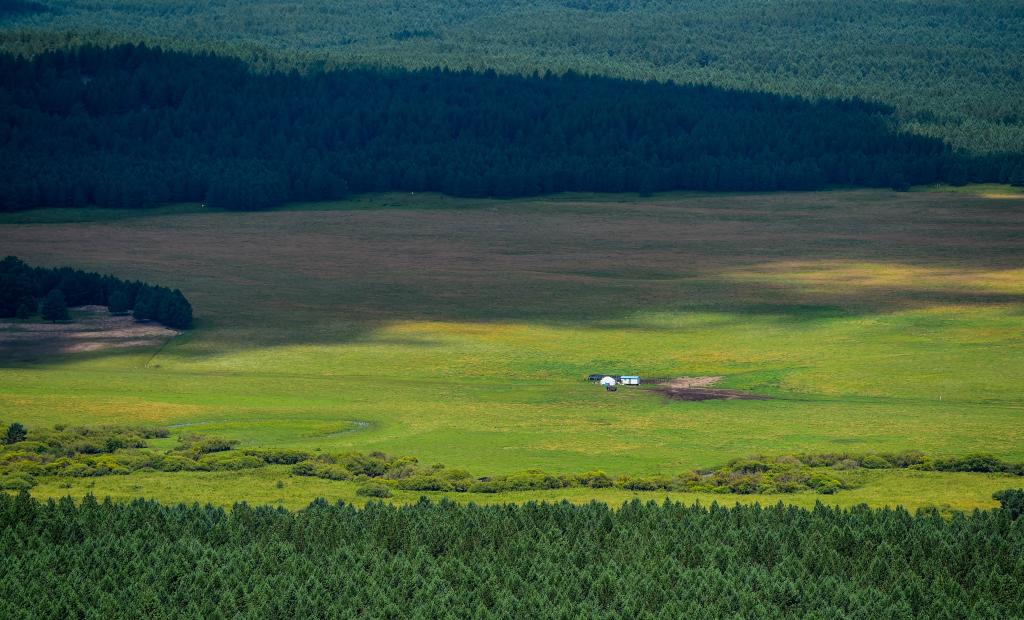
331	277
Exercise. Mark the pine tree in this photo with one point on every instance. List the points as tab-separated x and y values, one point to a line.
54	308
146	305
118	303
15	432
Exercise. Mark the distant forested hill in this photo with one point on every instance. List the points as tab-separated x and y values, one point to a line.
953	69
132	126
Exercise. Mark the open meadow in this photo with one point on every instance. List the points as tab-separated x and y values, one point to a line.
459	331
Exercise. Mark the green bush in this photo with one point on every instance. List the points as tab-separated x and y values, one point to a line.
822	483
749	465
16	481
305	468
172	462
373	489
829	487
372	466
228	461
332	472
874	461
972	463
909	458
638	484
847	464
535	479
594	479
213	445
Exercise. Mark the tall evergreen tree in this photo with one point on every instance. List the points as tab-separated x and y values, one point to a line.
118	303
53	307
15	432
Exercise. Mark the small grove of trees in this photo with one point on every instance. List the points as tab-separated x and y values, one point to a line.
52	291
1011	501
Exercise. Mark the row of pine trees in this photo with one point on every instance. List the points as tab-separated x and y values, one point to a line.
443	560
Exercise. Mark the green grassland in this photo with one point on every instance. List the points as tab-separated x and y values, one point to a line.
459	331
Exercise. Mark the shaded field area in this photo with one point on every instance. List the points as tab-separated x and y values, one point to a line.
92	329
460	330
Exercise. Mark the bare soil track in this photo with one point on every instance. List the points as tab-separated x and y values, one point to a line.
698	388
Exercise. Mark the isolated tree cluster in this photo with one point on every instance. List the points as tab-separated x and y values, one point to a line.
26	290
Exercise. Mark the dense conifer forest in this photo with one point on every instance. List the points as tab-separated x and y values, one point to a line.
441	560
23	288
951	68
132	126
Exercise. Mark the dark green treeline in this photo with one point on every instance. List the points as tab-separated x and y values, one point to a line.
441	560
23	287
132	126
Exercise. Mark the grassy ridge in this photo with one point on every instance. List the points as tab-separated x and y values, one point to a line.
459	330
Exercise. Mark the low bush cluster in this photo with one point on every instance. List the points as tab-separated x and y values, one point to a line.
112	450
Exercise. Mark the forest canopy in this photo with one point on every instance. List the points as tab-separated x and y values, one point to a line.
133	126
951	68
434	560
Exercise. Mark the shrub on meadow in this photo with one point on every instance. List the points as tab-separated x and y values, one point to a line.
594	479
374	489
229	461
984	463
874	461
